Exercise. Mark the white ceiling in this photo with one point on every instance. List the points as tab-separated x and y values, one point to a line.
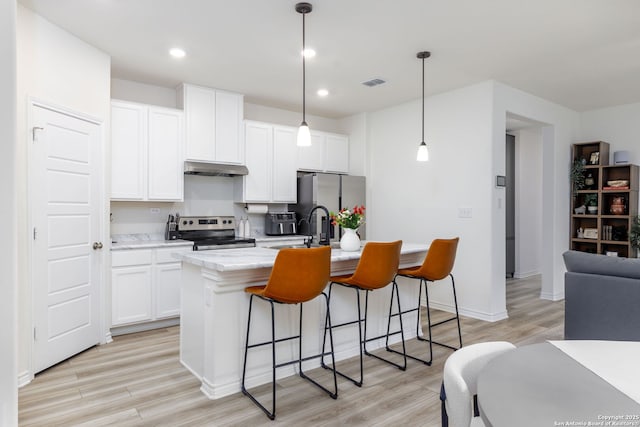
583	54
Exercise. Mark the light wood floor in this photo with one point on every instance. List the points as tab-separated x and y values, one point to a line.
137	380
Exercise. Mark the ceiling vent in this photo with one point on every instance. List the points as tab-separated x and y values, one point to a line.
373	82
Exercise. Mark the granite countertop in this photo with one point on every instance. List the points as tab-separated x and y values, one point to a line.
144	241
252	258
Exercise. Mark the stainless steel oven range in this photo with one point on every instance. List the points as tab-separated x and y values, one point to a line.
211	232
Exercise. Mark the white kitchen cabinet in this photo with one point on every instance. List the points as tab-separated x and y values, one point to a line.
131	287
145	285
146	152
329	152
213	124
271	161
128	150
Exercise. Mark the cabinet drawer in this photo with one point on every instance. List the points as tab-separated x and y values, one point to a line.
164	255
130	257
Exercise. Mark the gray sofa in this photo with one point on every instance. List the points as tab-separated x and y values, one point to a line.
602	297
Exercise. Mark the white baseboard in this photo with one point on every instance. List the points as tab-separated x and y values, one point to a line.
488	317
525	274
147	326
552	297
24	378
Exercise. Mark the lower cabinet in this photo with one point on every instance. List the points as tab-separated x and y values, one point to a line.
145	285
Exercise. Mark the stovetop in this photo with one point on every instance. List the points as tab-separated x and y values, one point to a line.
212	232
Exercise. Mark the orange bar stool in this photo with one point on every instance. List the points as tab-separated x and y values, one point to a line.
298	276
437	265
376	269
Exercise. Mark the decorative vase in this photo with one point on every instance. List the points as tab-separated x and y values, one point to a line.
350	241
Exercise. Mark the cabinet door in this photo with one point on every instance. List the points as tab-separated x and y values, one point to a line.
258	140
284	188
165	161
128	136
229	112
167	287
131	294
336	153
312	158
199	111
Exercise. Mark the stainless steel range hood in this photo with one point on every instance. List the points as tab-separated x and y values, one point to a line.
214	169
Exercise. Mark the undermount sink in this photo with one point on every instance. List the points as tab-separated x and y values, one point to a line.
335	245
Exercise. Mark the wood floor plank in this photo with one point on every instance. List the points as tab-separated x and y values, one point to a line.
137	380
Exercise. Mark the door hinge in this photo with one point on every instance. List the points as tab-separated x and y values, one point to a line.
34	334
33	132
35	233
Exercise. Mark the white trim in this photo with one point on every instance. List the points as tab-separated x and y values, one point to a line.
488	317
34	101
525	274
24	378
552	297
147	326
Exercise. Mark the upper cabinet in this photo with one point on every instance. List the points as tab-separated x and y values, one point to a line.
146	152
329	152
213	121
271	160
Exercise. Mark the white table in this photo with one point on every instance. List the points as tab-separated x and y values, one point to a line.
214	315
541	385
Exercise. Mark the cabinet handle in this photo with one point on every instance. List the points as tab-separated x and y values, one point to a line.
97	245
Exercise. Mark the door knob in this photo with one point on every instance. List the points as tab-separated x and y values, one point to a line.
97	245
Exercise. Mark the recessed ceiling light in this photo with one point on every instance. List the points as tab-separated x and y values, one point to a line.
309	53
322	92
176	52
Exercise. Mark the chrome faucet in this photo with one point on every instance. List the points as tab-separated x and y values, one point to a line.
327	231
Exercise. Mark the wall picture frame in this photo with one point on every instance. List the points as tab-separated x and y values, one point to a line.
594	158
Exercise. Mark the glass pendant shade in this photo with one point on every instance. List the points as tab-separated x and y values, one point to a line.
423	153
304	136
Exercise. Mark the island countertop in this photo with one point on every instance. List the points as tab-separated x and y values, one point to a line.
252	258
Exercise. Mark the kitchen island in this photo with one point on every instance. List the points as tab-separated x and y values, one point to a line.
214	316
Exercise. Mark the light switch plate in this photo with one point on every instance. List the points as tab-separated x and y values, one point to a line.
154	211
465	212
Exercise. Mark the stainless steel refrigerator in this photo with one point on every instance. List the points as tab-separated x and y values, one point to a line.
331	191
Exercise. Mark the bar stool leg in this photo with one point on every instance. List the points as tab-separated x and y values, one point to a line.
271	414
333	394
394	290
359	322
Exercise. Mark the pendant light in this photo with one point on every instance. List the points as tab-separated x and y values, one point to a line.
423	151
304	136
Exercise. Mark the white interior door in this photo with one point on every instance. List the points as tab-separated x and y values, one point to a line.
66	200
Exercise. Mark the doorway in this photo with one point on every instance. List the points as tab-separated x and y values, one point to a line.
523	198
66	199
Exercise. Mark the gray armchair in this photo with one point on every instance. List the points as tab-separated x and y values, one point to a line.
602	297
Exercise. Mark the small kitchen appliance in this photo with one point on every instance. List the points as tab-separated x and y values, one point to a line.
280	224
211	232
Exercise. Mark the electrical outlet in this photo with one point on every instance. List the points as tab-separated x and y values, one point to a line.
465	212
154	211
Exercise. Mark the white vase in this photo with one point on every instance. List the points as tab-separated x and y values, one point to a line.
350	241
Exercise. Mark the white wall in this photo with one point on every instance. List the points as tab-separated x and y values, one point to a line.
619	126
58	68
528	201
418	202
128	90
356	127
9	242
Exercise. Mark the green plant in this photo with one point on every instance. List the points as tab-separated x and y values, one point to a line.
591	200
577	175
634	234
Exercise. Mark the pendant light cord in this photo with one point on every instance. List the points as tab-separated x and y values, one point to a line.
423	99
304	91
